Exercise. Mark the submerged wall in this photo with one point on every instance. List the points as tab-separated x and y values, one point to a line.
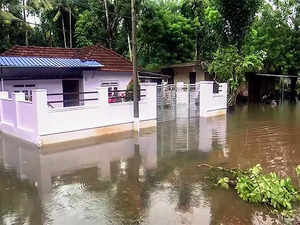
35	121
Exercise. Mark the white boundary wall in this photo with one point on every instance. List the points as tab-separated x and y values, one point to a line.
33	120
212	104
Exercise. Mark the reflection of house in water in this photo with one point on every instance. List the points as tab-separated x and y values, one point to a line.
186	134
44	169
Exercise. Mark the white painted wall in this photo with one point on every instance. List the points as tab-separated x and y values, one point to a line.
99	115
30	121
19	117
51	85
212	104
93	79
90	82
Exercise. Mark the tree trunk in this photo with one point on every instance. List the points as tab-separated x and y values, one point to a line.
70	20
129	48
64	30
70	26
24	18
108	28
134	61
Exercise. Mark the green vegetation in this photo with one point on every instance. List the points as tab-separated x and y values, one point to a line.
232	37
231	67
254	186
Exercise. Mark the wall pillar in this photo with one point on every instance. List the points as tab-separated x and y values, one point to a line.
3	95
17	96
212	104
102	95
40	103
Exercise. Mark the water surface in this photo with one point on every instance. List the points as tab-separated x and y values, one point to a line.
152	179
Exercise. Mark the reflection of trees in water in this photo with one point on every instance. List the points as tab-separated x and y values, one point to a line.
180	171
227	209
19	201
131	194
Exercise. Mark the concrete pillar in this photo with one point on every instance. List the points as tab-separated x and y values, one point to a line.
102	95
17	96
3	95
40	103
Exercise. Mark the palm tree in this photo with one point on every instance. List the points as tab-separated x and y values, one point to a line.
33	6
64	6
60	6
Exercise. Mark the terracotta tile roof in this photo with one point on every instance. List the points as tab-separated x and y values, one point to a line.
111	60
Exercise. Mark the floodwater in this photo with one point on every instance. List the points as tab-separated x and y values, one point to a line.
152	179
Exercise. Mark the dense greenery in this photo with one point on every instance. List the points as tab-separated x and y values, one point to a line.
254	186
169	31
232	67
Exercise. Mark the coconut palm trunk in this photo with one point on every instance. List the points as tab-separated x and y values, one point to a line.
64	31
108	28
70	24
24	18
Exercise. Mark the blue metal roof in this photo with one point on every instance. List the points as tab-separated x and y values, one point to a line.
30	62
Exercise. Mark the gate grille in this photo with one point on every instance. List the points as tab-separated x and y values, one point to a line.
177	102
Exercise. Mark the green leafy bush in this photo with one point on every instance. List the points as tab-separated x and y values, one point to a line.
256	187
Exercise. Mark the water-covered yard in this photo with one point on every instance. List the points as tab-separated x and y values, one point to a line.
152	179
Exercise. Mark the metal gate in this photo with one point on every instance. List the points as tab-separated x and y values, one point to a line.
181	101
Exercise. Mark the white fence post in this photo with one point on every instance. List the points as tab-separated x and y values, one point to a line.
17	96
151	92
103	95
212	104
3	95
40	103
148	104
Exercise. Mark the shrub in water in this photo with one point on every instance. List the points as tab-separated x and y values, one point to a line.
256	187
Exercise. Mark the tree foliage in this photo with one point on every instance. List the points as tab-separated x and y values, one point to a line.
276	32
166	36
237	17
168	31
230	66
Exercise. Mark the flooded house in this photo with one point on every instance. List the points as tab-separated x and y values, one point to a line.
70	75
188	73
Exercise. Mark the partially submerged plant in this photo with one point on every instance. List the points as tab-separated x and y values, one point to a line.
269	189
254	186
298	170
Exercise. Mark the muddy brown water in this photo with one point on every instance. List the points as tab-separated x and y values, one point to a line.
152	179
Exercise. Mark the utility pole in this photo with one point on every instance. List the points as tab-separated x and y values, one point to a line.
134	63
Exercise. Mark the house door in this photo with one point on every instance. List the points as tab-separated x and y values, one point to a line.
71	92
192	77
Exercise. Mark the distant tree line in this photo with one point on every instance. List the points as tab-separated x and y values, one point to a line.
248	35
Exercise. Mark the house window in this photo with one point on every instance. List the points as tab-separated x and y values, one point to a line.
26	89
